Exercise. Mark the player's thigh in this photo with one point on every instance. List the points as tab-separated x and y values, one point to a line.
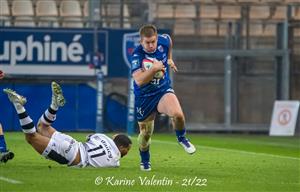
169	105
38	142
62	148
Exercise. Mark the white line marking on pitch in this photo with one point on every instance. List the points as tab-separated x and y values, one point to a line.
233	150
272	143
8	180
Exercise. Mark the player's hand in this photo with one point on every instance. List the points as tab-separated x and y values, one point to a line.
1	74
158	65
172	65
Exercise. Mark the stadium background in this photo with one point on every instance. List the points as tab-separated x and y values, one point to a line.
266	32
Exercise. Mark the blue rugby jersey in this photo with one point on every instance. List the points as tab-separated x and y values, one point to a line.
161	54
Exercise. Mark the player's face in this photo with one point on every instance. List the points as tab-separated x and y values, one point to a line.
124	150
149	43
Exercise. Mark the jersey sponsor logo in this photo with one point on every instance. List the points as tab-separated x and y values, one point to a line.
70	146
135	64
140	111
130	42
160	48
107	148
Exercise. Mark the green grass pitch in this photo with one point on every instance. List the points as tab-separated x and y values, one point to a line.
221	163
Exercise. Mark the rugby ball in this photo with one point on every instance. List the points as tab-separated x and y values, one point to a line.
147	64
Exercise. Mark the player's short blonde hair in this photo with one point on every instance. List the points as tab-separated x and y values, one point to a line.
148	30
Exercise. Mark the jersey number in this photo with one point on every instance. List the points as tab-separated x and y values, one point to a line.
155	81
100	151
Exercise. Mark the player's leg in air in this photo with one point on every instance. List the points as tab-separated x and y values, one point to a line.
44	125
5	154
170	105
46	140
144	141
38	141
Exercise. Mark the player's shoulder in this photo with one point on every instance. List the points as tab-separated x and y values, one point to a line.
100	135
165	36
138	51
97	136
164	39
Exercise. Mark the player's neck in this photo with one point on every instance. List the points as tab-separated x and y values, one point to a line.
148	51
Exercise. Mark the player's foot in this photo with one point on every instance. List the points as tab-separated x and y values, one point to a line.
145	166
187	145
14	97
5	156
57	95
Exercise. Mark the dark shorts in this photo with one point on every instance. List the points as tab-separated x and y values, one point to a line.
145	106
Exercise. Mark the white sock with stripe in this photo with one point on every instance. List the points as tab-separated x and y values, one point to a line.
49	116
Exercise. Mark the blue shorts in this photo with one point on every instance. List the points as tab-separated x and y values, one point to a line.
146	105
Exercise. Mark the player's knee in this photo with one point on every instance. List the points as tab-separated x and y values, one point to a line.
146	130
42	125
146	134
179	116
144	137
39	126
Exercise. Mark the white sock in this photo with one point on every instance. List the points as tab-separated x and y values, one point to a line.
26	123
49	116
19	108
54	105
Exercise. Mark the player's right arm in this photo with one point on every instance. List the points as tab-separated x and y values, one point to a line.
139	74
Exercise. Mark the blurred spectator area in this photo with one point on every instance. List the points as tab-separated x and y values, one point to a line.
185	17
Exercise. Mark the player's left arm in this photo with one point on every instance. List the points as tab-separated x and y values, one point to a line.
170	56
